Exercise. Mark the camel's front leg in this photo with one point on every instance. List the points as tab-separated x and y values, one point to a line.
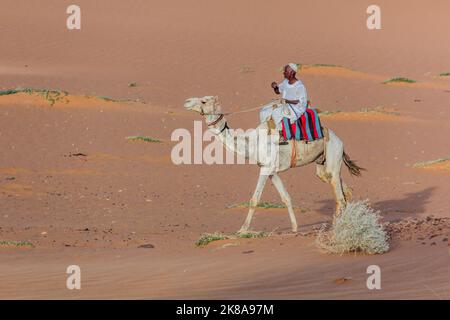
286	198
254	201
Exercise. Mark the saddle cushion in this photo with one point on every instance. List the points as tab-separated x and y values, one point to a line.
307	127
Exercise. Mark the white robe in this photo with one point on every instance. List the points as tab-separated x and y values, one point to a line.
296	91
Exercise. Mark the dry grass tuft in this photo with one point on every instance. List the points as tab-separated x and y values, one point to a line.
430	163
356	229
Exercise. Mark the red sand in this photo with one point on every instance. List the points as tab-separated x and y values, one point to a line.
95	210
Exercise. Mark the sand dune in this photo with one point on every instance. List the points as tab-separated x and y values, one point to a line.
75	190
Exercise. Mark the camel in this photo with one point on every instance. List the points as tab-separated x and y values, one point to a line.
328	154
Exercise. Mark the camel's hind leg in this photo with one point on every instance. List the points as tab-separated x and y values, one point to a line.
334	179
331	171
286	198
254	201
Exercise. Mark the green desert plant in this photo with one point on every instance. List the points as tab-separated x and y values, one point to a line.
265	205
379	109
356	229
325	65
51	96
54	96
108	99
399	79
142	138
7	243
445	74
207	238
8	92
429	163
250	234
329	113
132	84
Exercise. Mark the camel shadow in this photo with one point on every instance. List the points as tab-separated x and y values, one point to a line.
411	204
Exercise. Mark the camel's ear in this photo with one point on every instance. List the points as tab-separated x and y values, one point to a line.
216	99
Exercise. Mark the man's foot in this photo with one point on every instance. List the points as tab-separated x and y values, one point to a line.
282	140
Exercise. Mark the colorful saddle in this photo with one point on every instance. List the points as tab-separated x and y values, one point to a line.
307	127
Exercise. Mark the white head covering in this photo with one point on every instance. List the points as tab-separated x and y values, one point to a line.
293	66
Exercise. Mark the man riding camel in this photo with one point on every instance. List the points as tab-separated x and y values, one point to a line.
294	99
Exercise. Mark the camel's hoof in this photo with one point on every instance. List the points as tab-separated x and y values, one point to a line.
242	231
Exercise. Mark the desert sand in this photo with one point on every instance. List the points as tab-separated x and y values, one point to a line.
74	190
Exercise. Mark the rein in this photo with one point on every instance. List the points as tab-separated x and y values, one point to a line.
230	113
276	101
221	115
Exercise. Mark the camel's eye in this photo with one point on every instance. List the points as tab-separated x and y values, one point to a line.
203	101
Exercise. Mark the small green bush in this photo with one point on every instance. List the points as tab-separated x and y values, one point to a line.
142	138
400	79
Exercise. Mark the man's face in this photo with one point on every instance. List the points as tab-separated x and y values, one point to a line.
287	72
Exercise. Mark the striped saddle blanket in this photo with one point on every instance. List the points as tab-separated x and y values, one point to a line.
307	127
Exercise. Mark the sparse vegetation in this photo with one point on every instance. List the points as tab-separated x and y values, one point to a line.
425	164
445	74
207	238
16	244
325	65
265	205
133	85
51	96
399	79
329	113
8	92
142	138
245	69
108	99
356	229
249	234
378	109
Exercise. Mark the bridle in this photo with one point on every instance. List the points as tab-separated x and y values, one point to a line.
219	118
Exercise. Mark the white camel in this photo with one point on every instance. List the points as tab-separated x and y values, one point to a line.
328	154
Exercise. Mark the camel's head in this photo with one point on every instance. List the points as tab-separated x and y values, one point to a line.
205	105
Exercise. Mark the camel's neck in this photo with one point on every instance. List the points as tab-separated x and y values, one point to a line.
234	141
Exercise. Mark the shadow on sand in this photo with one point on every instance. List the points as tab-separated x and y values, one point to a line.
411	204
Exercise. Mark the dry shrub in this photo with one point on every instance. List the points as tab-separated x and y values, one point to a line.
356	229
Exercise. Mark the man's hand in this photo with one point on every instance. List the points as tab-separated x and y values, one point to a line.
274	86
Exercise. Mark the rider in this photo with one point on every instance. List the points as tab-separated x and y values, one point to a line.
294	98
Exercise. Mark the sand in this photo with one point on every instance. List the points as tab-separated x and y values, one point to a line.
74	187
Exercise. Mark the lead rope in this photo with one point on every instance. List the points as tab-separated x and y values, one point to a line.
232	113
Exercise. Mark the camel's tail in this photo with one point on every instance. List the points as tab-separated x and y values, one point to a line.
352	166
